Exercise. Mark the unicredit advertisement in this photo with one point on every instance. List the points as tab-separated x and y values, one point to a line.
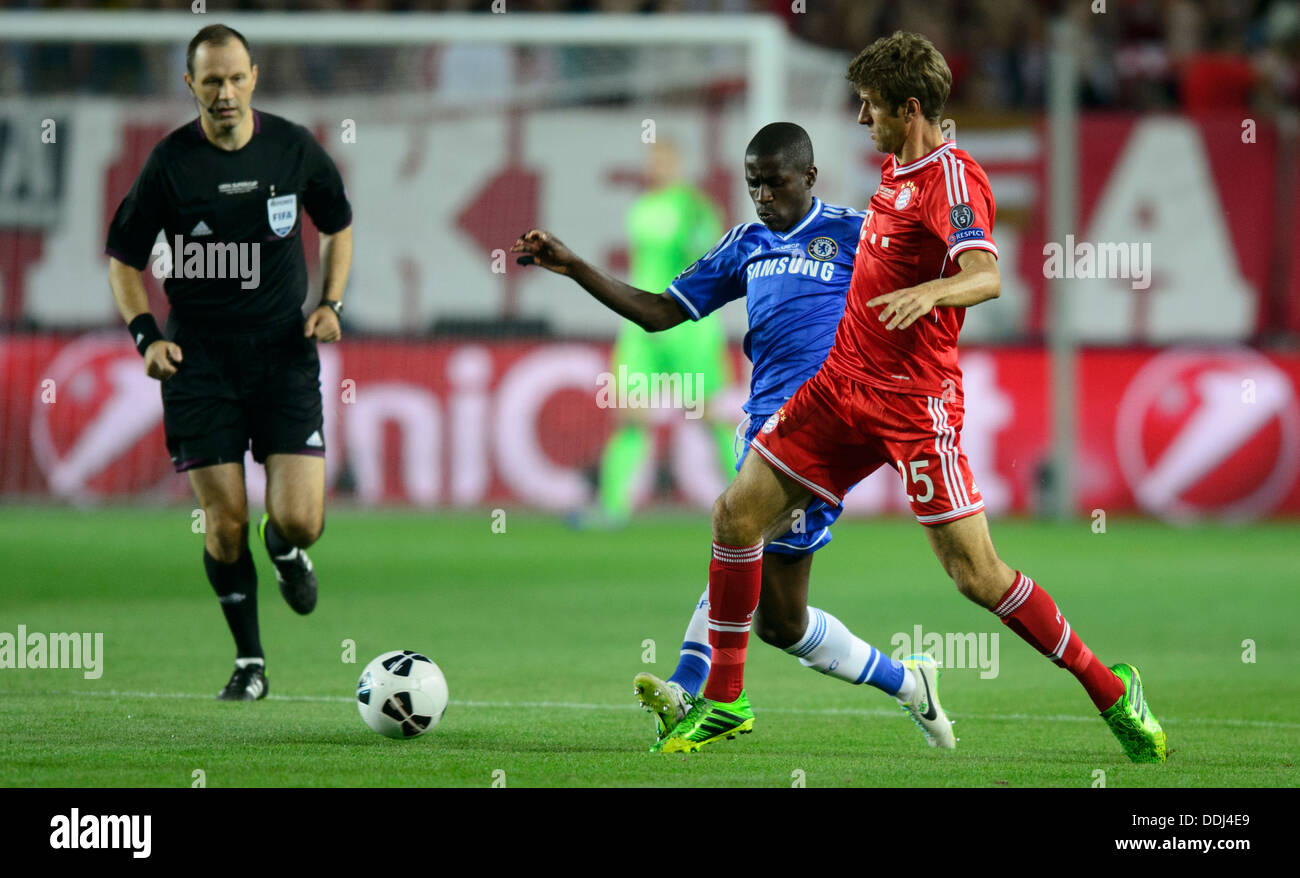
1181	433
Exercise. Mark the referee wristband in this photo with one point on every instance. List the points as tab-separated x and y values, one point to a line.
144	329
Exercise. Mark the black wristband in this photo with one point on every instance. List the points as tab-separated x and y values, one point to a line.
144	329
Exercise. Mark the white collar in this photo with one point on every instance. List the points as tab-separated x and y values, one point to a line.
902	170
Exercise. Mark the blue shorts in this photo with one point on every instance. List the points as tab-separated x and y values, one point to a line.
818	517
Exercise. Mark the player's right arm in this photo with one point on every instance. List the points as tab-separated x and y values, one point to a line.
131	237
161	356
651	311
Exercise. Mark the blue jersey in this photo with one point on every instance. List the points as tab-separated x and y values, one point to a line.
794	284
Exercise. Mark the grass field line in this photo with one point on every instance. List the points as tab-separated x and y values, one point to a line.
804	711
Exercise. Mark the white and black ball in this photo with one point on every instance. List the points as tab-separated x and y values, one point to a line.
402	694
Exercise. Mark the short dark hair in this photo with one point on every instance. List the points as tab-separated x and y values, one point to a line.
217	35
785	139
901	66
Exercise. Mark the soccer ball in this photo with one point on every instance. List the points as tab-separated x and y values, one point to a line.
402	694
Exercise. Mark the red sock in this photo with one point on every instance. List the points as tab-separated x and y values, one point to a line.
1030	611
735	577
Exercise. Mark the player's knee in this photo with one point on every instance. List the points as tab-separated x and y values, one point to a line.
723	517
781	632
226	535
732	525
300	529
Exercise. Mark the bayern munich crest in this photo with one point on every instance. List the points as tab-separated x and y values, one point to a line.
772	422
823	248
904	196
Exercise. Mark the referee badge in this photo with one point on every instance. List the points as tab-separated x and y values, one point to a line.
282	213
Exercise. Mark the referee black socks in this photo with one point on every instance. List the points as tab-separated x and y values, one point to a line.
236	588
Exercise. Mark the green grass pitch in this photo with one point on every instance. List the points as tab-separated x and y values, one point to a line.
540	630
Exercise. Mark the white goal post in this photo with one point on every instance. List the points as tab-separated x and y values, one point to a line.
763	37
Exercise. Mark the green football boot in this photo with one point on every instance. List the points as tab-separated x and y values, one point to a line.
708	721
667	701
923	707
1132	721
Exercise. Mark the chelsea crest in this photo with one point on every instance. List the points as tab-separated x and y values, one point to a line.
824	249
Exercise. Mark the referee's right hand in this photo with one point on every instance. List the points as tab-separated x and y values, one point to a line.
161	359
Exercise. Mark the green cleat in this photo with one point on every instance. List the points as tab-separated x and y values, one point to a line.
708	721
667	701
1133	722
924	707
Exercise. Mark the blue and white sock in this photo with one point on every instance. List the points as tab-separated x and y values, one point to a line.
829	647
697	656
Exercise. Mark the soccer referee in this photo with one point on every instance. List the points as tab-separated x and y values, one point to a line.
238	363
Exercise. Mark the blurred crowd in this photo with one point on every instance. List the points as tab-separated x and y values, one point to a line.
1137	54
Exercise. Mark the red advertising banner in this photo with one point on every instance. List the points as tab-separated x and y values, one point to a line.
1176	433
1207	205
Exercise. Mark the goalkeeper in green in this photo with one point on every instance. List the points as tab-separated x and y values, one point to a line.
668	228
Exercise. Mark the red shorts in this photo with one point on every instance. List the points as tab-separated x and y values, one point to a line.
834	432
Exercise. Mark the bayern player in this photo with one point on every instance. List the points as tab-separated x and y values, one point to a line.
890	394
793	269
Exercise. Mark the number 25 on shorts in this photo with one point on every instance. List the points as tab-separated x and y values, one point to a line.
918	478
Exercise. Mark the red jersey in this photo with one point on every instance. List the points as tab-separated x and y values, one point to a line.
923	215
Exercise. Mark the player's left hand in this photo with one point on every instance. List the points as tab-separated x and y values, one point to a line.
323	324
904	307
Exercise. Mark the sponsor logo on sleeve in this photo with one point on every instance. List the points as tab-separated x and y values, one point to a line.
966	235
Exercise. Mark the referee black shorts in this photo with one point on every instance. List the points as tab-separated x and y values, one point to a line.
229	393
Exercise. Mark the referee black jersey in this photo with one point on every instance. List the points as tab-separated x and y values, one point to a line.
206	199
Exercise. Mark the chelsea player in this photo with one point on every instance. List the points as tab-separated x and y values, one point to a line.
793	268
